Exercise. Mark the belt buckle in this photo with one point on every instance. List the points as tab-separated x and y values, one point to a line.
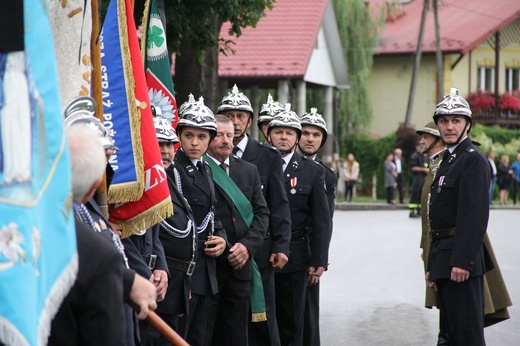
151	261
191	268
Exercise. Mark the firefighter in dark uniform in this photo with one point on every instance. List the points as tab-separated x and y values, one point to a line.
196	128
314	136
310	223
177	235
419	168
274	251
459	212
266	114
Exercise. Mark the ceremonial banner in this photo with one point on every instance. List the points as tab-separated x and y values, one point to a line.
38	259
157	63
71	23
139	187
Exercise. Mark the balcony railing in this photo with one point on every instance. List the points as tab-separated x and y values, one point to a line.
507	119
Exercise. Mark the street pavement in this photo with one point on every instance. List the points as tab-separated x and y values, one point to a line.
373	292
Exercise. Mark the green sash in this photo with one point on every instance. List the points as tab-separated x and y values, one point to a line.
245	210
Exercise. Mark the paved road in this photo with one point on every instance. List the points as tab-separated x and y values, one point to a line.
373	293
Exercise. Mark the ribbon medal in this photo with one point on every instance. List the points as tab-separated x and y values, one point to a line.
441	180
293	185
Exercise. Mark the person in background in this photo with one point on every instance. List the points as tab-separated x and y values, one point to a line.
504	178
390	177
350	176
493	172
267	112
419	167
516	175
399	165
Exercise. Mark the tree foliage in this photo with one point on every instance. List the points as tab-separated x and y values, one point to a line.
358	33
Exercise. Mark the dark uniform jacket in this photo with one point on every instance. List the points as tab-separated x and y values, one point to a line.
245	176
305	188
199	190
179	248
269	164
139	248
331	182
92	312
460	200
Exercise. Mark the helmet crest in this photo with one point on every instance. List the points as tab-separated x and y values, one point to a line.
452	104
315	119
286	118
235	100
198	115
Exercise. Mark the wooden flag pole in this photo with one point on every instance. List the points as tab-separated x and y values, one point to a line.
97	93
165	330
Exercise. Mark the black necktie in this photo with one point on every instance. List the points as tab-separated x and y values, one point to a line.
200	166
235	150
446	154
224	166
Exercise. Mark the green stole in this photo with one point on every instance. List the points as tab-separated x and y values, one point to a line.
245	209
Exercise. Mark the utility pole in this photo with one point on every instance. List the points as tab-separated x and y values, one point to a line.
418	53
438	54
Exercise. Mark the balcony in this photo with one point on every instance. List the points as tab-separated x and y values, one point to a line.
485	111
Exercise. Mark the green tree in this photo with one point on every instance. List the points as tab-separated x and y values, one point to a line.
192	31
359	34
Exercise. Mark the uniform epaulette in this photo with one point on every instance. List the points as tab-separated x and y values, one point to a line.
327	166
307	158
268	146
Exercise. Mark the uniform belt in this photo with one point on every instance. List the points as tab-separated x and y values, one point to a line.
300	233
150	260
183	266
442	233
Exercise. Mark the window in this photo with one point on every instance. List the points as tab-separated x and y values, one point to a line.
486	78
512	79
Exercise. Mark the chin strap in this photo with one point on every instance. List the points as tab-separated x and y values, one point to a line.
425	151
462	133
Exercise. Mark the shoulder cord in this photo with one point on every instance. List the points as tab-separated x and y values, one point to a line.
208	217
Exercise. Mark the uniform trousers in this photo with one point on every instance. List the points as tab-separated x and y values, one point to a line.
311	326
266	333
462	307
290	305
232	305
200	316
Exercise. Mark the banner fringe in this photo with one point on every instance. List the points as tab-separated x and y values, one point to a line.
148	218
134	116
124	192
55	298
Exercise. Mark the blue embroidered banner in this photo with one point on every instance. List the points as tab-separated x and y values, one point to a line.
121	113
38	260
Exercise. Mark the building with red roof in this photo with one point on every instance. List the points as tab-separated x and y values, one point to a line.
469	31
295	46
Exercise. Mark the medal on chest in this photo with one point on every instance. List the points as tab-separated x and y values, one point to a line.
293	185
441	180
